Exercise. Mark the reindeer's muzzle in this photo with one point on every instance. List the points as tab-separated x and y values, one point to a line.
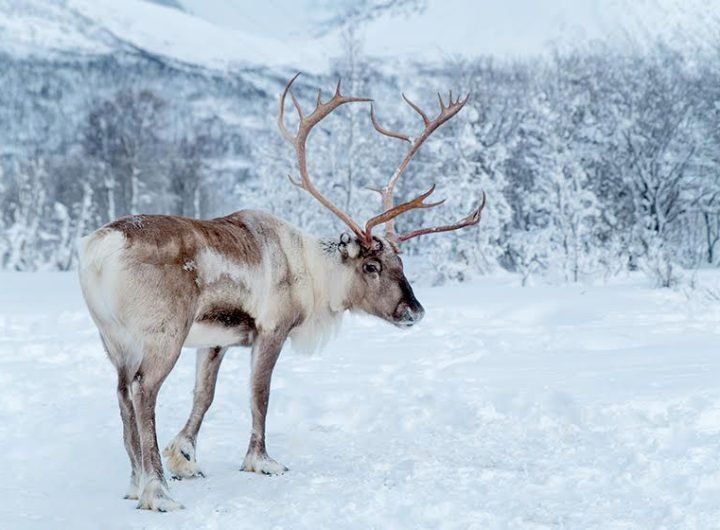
409	311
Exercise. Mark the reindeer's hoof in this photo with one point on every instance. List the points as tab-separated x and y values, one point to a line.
133	494
156	498
133	491
180	459
255	463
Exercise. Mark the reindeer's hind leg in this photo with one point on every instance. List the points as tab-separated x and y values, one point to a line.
130	433
116	353
180	453
158	359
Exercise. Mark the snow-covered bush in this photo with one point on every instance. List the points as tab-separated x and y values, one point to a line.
661	266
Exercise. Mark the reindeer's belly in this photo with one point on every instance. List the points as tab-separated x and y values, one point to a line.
226	326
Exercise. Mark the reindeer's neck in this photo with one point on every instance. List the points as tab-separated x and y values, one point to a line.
331	278
324	292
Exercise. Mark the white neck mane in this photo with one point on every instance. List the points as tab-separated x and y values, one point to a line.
324	296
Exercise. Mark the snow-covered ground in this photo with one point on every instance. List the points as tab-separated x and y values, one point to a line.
508	407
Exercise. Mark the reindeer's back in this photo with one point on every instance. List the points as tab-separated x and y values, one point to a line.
138	267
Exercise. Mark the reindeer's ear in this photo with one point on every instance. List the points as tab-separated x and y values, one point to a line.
348	246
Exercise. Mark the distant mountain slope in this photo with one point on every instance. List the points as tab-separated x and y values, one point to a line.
36	27
442	29
226	35
39	27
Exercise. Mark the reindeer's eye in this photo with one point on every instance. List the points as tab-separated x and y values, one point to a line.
371	267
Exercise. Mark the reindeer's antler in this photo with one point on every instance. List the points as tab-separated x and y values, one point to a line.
472	219
298	141
391	211
387	192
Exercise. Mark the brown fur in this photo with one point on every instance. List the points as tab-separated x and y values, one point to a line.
171	240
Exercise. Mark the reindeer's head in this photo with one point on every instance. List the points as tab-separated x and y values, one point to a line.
378	283
379	286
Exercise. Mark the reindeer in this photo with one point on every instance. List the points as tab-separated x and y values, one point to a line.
154	284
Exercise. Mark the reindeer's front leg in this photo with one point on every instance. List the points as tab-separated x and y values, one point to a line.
265	353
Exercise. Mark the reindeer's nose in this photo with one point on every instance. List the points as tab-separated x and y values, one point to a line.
410	314
417	313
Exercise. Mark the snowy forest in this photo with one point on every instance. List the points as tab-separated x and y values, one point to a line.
594	161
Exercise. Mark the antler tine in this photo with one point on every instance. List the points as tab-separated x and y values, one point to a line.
384	131
321	111
417	109
297	106
446	112
472	219
281	115
392	213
